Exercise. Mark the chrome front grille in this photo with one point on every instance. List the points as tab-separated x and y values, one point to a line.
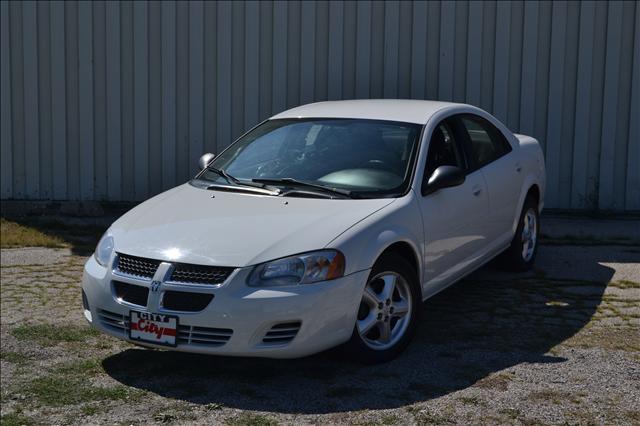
136	266
282	333
203	335
187	334
113	321
200	274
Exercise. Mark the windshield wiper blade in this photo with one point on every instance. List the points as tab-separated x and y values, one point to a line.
231	179
295	182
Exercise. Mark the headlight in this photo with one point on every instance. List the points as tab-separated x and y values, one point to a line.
104	249
304	268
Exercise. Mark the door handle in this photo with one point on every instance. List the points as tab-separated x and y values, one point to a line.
476	190
518	167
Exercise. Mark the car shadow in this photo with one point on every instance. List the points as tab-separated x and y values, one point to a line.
468	335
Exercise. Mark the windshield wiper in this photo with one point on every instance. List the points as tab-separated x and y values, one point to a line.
231	179
299	183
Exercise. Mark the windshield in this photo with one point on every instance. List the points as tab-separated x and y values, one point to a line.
370	157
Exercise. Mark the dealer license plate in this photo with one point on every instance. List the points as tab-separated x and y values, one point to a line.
160	329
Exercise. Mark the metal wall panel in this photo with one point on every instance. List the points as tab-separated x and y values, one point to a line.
116	101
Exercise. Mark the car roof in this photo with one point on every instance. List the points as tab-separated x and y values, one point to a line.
404	110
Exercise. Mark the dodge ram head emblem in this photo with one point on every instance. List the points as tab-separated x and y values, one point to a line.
155	285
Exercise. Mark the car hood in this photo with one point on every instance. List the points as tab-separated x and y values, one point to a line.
193	225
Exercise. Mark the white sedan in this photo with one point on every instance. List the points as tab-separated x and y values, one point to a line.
326	224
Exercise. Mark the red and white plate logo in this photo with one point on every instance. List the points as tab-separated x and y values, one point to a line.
154	328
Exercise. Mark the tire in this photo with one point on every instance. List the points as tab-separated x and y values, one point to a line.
382	331
521	254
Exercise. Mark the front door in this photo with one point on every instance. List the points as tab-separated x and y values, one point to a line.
453	217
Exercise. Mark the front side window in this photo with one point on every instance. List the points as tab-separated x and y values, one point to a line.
443	150
369	157
487	142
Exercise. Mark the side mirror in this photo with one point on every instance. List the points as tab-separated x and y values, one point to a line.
443	177
205	160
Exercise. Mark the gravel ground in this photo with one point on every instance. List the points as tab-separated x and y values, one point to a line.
558	345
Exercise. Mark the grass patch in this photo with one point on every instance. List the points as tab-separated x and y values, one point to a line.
472	400
611	338
61	390
49	232
13	234
512	413
495	381
88	367
425	417
14	357
91	410
16	419
213	406
250	419
554	396
389	419
50	335
165	417
625	284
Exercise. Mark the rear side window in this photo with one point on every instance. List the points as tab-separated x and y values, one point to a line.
487	143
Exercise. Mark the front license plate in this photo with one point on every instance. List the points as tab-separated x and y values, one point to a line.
160	329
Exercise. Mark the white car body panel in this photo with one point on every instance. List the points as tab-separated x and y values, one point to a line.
450	232
186	225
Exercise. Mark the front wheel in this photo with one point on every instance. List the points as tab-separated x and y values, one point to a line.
523	249
388	312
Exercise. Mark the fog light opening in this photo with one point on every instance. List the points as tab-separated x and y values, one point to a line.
85	305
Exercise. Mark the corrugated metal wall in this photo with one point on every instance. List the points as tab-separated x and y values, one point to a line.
116	101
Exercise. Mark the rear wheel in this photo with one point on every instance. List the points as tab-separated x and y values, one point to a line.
521	254
388	312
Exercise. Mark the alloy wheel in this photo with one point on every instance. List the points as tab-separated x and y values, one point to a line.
385	310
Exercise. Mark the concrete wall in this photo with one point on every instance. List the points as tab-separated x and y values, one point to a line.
116	101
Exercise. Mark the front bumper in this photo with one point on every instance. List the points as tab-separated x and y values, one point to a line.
326	313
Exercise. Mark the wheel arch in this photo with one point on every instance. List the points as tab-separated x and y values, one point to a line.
530	188
408	252
534	191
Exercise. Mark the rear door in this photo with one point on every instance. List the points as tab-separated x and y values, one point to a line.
453	217
489	152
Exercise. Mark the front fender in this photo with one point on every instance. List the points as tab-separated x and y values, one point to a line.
363	243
